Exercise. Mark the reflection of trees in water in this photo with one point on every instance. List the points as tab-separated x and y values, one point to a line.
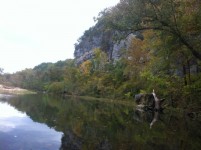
155	118
95	125
149	116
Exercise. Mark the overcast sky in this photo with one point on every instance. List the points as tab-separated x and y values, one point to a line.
36	31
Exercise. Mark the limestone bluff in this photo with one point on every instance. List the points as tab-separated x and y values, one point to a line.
111	41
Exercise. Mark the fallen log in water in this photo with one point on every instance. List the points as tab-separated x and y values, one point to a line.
149	101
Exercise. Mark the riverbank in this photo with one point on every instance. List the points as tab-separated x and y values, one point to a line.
14	90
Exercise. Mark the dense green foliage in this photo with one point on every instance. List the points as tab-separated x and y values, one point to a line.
167	60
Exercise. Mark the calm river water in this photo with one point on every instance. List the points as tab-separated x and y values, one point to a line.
41	122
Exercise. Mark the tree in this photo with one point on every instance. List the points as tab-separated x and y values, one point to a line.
1	70
177	18
100	59
86	67
138	54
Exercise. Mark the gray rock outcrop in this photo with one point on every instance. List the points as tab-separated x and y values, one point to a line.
109	41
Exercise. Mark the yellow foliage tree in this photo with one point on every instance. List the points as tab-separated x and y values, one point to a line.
139	53
86	67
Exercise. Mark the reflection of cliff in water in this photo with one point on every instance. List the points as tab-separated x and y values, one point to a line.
96	125
71	142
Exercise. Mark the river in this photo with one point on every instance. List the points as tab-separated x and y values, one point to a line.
42	122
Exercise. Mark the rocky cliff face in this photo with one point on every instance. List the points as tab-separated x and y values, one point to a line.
99	37
108	41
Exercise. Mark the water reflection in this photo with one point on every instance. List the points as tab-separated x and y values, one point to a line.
8	113
151	116
87	125
18	131
155	118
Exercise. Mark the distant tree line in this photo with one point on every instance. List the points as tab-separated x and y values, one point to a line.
167	59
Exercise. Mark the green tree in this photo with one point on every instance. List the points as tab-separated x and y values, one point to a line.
1	70
100	60
176	18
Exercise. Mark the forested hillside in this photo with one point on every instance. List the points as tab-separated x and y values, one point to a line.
136	46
